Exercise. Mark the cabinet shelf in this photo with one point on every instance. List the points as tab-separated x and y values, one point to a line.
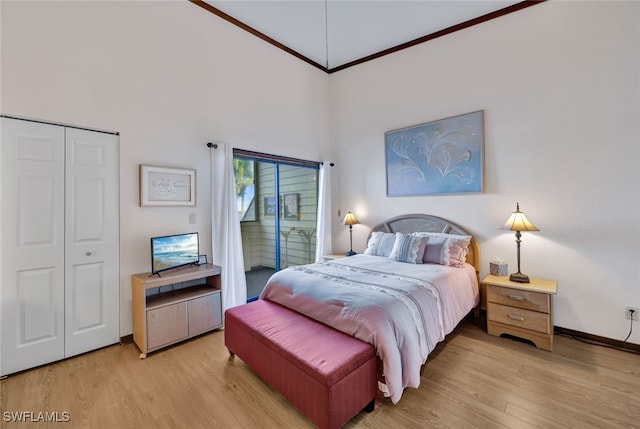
175	296
192	307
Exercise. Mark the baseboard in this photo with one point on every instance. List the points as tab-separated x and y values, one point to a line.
596	339
630	347
583	336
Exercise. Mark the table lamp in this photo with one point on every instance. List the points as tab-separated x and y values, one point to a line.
350	220
518	222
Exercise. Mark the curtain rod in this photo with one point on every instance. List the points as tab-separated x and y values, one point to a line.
269	157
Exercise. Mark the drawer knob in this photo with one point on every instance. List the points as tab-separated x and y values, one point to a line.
516	317
516	297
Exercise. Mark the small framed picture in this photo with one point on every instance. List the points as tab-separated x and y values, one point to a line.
202	259
270	206
167	186
291	206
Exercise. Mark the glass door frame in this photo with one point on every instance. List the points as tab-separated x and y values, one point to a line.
277	161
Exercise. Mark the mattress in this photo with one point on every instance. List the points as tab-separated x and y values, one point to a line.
402	309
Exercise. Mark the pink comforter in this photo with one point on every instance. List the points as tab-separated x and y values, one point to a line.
403	309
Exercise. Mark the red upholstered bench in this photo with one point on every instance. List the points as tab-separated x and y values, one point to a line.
327	375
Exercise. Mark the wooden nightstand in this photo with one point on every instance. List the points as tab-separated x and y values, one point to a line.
524	310
333	256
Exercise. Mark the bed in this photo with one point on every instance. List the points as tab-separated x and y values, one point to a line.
416	281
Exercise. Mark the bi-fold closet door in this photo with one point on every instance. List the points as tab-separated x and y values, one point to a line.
59	262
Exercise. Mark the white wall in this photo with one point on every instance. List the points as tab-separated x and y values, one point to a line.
559	85
169	76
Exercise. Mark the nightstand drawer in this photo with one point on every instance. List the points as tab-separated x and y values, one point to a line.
519	298
522	318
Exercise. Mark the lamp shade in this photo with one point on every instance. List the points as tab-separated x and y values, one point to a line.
518	222
350	219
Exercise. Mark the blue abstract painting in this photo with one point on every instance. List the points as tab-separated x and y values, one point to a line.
438	157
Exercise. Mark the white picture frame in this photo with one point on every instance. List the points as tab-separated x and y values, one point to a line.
167	186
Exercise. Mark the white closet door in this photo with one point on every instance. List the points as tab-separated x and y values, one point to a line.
32	244
92	223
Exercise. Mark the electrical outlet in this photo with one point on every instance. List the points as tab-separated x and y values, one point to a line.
192	218
627	313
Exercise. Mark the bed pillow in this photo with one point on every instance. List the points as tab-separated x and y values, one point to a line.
445	249
380	244
408	248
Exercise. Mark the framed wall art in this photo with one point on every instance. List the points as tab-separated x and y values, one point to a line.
290	204
167	186
270	206
439	157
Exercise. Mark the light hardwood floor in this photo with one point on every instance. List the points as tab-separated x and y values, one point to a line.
472	380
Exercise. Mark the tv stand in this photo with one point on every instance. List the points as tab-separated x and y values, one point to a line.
193	307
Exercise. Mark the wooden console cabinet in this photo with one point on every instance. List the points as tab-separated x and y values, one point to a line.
178	305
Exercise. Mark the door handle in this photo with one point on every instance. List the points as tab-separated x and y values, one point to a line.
88	253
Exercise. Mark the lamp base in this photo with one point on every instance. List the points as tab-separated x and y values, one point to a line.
519	277
351	253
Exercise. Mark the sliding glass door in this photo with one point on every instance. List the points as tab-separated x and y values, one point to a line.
278	204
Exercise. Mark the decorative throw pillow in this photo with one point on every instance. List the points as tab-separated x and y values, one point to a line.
445	249
458	248
380	244
408	248
434	253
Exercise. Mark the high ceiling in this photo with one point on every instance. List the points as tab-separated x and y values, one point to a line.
335	34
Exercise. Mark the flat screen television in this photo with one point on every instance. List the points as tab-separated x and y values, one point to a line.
173	251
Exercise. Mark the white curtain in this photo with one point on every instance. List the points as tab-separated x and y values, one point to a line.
323	228
226	240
